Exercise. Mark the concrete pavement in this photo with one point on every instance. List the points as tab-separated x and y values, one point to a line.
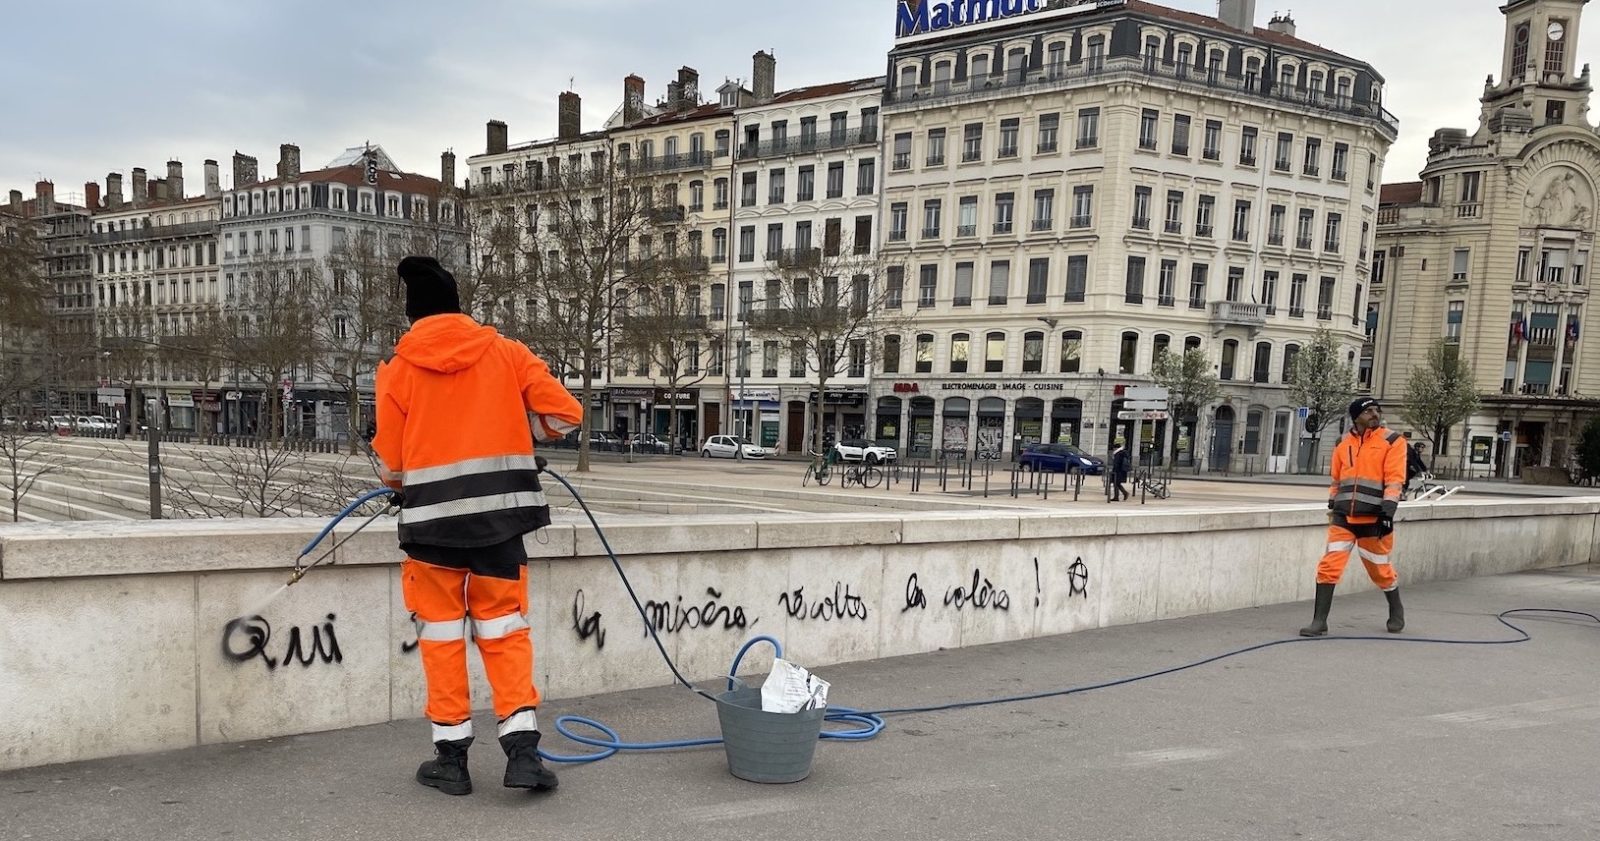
1325	740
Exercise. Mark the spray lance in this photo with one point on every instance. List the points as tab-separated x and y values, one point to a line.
394	500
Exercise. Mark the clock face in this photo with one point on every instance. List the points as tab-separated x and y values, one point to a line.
1556	30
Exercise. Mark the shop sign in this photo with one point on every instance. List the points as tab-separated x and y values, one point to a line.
998	386
180	399
917	20
681	397
907	388
632	393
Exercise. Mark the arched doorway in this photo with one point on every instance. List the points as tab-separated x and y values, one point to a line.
921	441
1222	438
888	426
1066	420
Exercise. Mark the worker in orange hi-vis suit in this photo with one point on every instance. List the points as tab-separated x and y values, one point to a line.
1369	469
453	433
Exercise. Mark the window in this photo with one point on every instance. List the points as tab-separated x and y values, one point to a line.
1262	370
1149	127
775	186
936	147
1356	308
866	177
960	352
1197	286
747	190
1297	296
747	244
898	213
1302	234
697	196
894	287
891	354
1269	292
1004	211
1134	291
862	244
1380	264
1088	128
1174	212
1313	161
1180	134
994	353
967	217
1159	346
931	209
1009	129
1241	221
1341	162
1458	264
1032	353
1247	146
719	301
999	282
1372	171
836	180
797	358
1141	208
927	285
1230	358
1071	351
1325	299
1330	239
1290	354
1555	51
1056	59
1082	205
831	236
1128	353
1275	217
722	194
746	297
858	358
1038	279
1049	127
963	291
1452	321
719	245
1282	160
1077	278
1470	184
1554	262
1235	289
1211	149
1167	284
924	360
902	152
972	143
1205	212
774	241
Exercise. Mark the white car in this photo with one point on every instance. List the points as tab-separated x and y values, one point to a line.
727	446
857	449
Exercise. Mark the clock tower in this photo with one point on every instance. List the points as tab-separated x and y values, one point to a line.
1538	83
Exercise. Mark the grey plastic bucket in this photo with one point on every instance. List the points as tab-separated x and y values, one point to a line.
765	747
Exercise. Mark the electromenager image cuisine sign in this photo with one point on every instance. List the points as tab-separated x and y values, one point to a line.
918	20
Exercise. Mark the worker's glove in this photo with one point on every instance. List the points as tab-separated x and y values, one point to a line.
1385	525
397	500
541	463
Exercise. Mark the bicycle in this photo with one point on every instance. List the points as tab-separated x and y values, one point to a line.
1152	485
1425	485
865	475
818	471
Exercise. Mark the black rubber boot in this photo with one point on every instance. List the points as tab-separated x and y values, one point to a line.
1397	612
1319	614
447	772
524	768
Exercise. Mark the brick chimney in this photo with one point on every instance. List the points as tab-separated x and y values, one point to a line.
213	180
175	180
44	195
141	187
1282	24
91	196
159	190
15	201
1237	14
674	95
764	78
632	99
447	169
497	137
288	161
244	171
688	86
569	116
113	190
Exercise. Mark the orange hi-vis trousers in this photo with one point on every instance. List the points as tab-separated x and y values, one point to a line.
442	598
1374	552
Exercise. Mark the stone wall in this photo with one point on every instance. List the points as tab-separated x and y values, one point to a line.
115	638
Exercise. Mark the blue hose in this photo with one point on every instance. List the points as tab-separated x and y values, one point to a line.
339	518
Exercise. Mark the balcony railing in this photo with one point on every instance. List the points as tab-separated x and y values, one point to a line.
796	258
188	229
858	136
1236	314
671	163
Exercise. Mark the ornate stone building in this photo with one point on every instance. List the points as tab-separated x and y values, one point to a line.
1490	251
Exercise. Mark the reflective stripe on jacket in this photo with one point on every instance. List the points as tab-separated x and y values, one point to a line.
453	426
1369	470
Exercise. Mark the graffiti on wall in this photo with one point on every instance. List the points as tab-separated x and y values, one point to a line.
842	603
250	637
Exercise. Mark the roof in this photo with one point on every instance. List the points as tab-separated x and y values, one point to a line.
826	90
1211	23
1408	192
163	204
699	112
355	176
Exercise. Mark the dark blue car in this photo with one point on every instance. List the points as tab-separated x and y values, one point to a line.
1060	458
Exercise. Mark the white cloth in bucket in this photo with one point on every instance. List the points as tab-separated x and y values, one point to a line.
791	689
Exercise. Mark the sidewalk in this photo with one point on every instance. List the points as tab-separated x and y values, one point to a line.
1327	740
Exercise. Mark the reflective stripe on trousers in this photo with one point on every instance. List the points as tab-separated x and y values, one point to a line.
1374	553
497	607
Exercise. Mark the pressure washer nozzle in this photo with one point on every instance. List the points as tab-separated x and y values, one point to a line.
299	573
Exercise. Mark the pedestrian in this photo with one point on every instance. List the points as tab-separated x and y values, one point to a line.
1415	465
1119	471
453	433
1369	468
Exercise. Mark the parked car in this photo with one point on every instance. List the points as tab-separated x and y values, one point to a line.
1060	458
604	442
859	449
728	446
647	442
59	423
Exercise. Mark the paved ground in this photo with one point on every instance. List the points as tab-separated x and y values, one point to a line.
1326	740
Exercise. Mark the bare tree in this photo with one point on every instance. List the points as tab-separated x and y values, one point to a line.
663	329
273	330
832	306
360	313
264	479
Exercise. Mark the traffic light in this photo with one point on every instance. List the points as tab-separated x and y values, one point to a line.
372	170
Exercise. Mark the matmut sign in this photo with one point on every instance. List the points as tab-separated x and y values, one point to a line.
918	20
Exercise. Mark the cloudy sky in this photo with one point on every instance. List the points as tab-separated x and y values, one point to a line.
108	85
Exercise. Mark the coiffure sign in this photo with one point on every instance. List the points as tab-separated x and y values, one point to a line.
919	20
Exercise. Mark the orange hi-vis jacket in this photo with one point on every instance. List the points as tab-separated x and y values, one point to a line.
1369	469
453	426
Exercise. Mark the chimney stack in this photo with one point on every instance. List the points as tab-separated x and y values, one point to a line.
674	95
44	194
141	187
764	80
213	180
288	161
1237	14
497	137
447	170
688	86
113	190
632	99
175	180
1282	24
159	190
15	200
569	116
244	171
91	195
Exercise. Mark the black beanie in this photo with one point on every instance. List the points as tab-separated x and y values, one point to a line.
1360	405
430	290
